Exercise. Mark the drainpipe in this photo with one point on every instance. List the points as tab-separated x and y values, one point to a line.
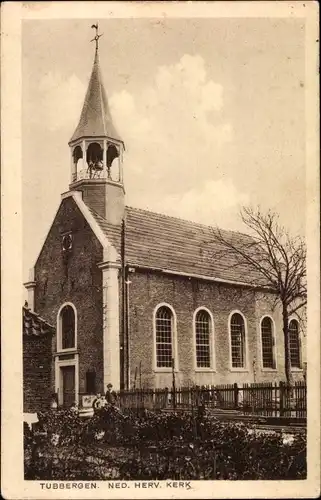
124	321
125	308
127	283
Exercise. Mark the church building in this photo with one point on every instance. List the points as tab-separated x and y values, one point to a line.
135	296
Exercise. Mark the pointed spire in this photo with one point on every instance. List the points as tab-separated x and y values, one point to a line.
95	119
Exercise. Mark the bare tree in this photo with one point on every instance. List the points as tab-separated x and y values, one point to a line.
274	260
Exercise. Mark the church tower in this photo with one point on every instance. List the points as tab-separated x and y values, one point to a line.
97	152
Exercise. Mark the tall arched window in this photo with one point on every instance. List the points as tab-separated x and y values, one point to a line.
67	328
237	332
267	342
203	334
294	341
164	337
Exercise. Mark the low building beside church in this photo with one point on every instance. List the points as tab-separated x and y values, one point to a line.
37	340
135	292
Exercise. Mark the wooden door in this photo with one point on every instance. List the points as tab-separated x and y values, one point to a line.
68	385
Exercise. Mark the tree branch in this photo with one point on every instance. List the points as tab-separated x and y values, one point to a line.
296	308
270	257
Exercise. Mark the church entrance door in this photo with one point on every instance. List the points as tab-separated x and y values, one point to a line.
68	385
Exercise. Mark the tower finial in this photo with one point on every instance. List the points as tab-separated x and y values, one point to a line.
96	39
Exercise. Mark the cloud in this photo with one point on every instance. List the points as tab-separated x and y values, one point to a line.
177	106
61	100
176	138
213	203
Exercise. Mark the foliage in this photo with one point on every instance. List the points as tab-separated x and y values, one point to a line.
275	259
155	445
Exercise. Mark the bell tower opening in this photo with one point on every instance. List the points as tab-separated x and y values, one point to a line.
94	158
77	155
113	167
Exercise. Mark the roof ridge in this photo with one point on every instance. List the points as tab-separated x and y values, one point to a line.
186	220
171	217
159	240
96	214
38	317
100	92
102	219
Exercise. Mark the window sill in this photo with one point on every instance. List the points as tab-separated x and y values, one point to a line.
241	370
269	369
165	370
66	351
205	370
296	370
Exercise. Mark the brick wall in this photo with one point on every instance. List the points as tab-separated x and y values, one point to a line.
37	367
78	282
94	196
185	295
265	305
104	197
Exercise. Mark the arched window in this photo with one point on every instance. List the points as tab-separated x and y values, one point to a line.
164	337
237	332
67	328
267	342
203	334
294	341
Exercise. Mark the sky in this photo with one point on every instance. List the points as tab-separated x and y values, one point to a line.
211	112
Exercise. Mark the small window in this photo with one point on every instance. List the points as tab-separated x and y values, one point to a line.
294	341
267	339
68	337
237	332
164	337
203	333
91	382
66	242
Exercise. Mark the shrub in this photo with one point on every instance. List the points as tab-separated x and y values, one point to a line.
158	445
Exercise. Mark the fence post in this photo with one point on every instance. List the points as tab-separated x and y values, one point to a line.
174	388
275	400
281	399
165	401
236	395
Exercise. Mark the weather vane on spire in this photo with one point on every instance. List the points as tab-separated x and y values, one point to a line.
95	26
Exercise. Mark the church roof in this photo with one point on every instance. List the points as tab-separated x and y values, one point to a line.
166	243
95	119
34	325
